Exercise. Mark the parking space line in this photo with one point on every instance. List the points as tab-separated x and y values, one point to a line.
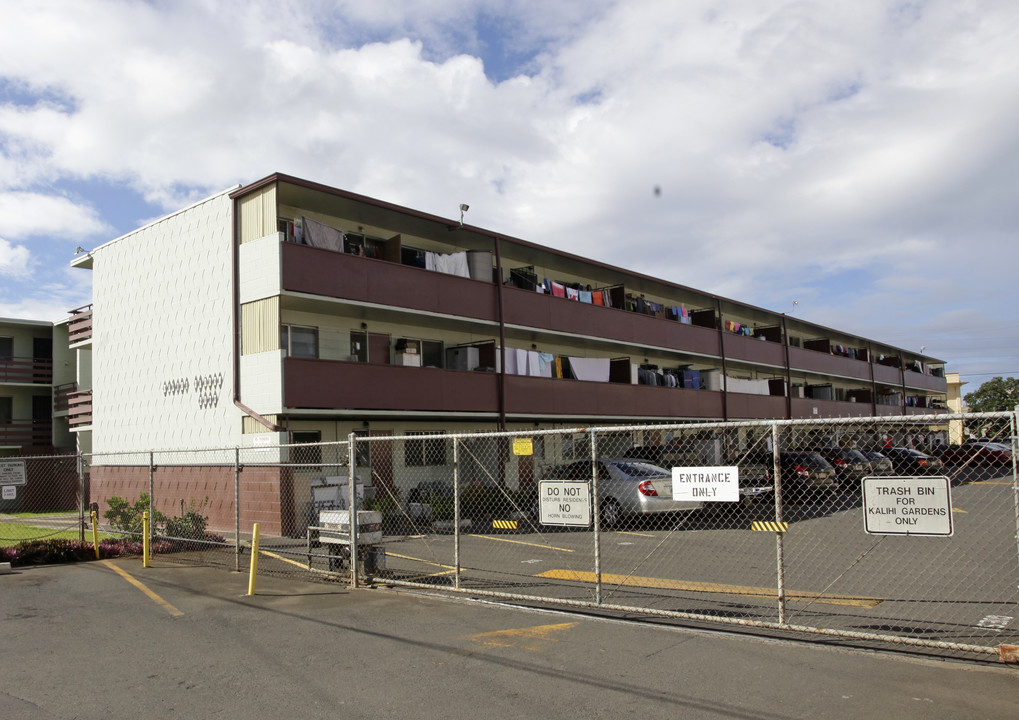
153	596
691	586
533	639
627	532
429	575
521	542
426	562
990	482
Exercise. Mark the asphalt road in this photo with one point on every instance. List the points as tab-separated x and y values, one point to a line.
115	640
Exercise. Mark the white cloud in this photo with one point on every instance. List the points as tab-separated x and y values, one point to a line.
800	147
13	258
28	214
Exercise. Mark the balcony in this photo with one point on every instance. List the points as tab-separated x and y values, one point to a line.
26	370
79	329
76	404
826	364
328	384
26	432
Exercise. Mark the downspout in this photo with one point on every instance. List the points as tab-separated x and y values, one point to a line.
502	335
788	371
236	311
721	352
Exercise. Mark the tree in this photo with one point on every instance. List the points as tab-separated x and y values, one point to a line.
995	394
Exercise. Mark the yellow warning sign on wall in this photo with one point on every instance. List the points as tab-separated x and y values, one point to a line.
523	446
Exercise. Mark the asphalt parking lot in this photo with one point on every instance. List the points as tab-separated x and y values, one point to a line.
116	640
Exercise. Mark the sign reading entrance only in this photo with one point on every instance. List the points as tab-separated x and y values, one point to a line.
908	506
564	503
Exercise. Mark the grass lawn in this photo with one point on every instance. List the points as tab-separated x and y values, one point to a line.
13	533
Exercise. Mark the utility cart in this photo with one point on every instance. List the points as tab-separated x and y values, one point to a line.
333	532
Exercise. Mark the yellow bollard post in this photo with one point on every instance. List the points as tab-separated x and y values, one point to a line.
146	548
95	532
254	560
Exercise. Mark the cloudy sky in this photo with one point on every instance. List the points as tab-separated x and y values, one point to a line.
859	159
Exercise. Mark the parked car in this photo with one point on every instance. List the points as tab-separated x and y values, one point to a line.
977	454
850	464
804	472
627	487
755	470
880	464
913	462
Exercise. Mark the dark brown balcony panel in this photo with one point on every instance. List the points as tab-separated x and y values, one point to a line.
546	312
79	328
350	277
79	408
825	364
754	350
26	432
741	406
925	411
550	396
26	370
925	382
329	384
803	408
887	375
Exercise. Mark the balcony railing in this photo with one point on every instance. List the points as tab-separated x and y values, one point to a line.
79	329
26	370
79	409
26	432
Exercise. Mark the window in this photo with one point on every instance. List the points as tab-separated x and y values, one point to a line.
431	353
429	451
358	346
6	409
298	341
6	348
311	456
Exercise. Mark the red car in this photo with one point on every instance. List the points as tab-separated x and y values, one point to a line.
977	454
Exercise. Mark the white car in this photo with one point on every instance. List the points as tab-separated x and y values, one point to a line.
626	487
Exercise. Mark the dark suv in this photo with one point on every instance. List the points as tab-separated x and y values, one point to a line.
850	464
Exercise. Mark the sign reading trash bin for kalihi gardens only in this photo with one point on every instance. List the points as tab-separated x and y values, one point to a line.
920	506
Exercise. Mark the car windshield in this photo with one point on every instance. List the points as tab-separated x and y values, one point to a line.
995	446
855	455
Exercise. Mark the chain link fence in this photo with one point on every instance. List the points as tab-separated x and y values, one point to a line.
874	530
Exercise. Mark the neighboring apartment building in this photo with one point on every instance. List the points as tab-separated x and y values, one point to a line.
34	362
291	311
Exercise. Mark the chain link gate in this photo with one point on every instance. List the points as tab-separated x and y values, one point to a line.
463	513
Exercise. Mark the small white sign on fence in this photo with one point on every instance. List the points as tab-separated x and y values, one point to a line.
12	472
907	506
706	484
10	492
564	503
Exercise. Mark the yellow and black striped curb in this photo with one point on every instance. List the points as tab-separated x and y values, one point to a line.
504	524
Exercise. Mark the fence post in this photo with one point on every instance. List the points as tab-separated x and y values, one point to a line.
456	513
81	497
779	546
1014	422
152	492
597	518
352	506
237	509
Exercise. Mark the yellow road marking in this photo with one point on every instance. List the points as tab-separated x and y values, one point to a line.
153	596
520	542
429	575
990	482
303	566
426	562
529	638
627	532
964	512
746	590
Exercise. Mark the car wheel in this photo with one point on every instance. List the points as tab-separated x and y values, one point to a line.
610	514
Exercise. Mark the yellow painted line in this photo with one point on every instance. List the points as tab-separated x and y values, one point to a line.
520	542
529	638
153	596
627	532
426	562
689	586
990	482
429	575
964	512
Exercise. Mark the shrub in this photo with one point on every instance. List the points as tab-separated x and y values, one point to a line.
127	518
